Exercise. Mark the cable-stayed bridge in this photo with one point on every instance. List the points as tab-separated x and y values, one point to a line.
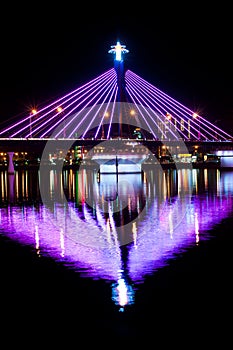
117	104
115	97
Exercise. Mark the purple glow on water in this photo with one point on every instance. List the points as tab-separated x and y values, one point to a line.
86	239
201	214
37	228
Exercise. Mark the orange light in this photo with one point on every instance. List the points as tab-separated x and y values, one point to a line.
59	109
34	111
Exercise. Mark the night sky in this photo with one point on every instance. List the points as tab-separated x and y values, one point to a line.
185	52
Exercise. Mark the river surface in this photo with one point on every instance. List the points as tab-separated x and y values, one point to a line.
116	256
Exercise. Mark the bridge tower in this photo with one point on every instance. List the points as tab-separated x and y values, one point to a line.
119	50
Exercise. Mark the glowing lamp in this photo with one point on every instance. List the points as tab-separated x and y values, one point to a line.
118	50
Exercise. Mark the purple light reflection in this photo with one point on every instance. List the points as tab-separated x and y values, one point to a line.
87	239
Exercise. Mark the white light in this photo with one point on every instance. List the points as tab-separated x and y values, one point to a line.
118	50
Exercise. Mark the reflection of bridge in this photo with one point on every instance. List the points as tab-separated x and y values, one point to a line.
116	104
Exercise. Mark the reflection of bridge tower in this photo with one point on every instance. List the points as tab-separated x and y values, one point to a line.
11	169
119	50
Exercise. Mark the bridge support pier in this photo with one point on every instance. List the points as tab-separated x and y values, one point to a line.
11	169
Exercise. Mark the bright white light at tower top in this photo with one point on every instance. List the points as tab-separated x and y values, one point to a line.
118	50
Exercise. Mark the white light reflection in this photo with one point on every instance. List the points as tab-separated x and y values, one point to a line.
62	241
122	294
87	237
37	240
196	223
134	233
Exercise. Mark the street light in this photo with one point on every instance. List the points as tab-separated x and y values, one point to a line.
196	116
60	110
168	124
106	115
33	112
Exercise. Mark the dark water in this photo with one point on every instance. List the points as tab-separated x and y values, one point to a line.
104	258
